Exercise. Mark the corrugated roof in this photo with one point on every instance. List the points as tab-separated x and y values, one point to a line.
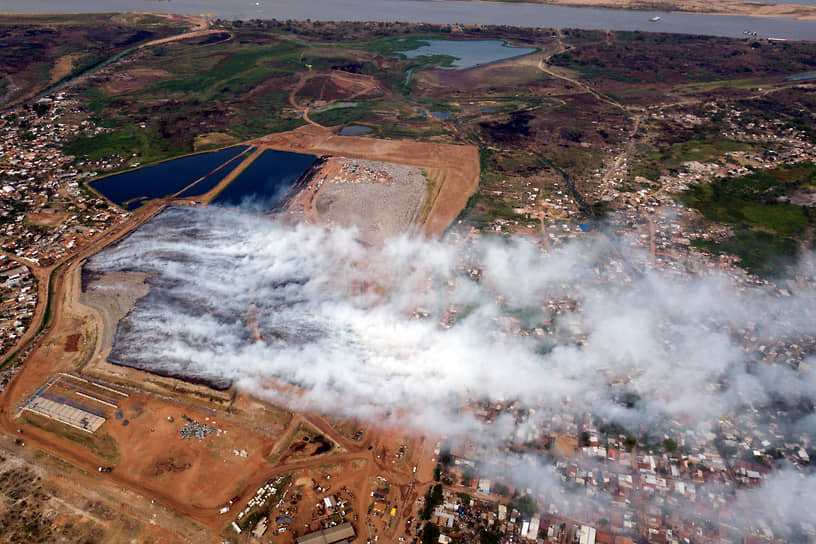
328	536
339	532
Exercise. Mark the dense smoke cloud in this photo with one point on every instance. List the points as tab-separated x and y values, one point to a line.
237	297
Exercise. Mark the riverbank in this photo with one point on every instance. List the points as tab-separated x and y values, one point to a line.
781	21
799	12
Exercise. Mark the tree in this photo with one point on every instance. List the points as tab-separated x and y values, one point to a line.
430	534
526	505
432	499
490	537
501	489
670	445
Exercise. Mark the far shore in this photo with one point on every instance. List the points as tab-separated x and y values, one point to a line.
739	8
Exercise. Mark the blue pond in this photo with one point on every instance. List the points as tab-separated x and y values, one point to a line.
801	77
469	53
131	189
355	130
265	181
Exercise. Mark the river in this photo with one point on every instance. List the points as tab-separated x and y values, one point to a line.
526	15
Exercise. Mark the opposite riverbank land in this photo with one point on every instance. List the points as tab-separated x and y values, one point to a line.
791	20
797	11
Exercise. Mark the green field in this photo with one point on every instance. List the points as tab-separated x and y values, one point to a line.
670	157
767	230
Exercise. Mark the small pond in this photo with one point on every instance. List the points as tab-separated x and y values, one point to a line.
355	130
469	53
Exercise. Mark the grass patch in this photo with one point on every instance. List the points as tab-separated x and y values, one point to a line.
147	143
672	156
707	86
767	231
395	46
481	211
339	116
236	70
391	130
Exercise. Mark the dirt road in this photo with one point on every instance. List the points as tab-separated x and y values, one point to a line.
357	85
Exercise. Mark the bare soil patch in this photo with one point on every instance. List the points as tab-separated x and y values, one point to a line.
46	218
72	343
212	139
63	67
497	75
460	164
565	446
133	79
336	85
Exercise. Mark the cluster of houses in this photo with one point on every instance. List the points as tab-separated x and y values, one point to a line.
45	214
18	299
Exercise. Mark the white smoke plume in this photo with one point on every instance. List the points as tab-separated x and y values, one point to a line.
237	297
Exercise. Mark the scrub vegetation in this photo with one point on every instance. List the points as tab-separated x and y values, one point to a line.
758	207
561	113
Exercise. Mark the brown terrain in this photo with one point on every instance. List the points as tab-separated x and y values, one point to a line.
166	488
141	439
252	441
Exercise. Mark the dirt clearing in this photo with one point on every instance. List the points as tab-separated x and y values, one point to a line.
212	139
455	168
134	79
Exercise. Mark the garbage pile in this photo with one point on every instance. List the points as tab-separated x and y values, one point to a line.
194	429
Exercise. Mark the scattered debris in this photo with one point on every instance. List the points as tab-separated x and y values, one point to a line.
194	429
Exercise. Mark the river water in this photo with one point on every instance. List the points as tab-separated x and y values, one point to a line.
495	13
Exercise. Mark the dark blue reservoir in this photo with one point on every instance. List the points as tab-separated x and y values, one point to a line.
133	188
265	181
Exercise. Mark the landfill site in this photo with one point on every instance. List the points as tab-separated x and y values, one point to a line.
380	199
245	470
